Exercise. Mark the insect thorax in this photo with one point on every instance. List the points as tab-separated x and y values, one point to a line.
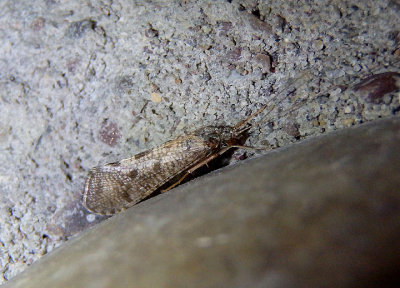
217	137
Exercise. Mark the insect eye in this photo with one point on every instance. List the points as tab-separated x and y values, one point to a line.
212	141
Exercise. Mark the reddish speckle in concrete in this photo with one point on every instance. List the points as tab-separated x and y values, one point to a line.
224	28
292	129
259	25
235	55
264	61
240	156
37	24
72	65
109	133
375	87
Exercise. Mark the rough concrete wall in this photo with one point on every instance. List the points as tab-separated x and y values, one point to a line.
83	83
321	213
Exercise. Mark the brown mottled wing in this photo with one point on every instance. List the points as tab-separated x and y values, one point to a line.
116	186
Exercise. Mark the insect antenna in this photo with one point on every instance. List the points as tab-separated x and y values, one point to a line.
272	102
280	97
371	72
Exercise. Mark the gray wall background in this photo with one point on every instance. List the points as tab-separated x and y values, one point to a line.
89	82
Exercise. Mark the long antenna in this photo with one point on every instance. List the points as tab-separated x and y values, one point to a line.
272	102
280	97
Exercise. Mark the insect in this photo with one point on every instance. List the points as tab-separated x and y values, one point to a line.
113	187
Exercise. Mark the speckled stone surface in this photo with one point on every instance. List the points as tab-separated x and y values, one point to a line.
89	82
325	212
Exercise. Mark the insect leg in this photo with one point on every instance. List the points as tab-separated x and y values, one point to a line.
197	166
176	183
249	147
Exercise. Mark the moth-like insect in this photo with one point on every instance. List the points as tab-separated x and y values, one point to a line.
113	187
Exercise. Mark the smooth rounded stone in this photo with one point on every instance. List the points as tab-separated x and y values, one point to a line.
325	212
